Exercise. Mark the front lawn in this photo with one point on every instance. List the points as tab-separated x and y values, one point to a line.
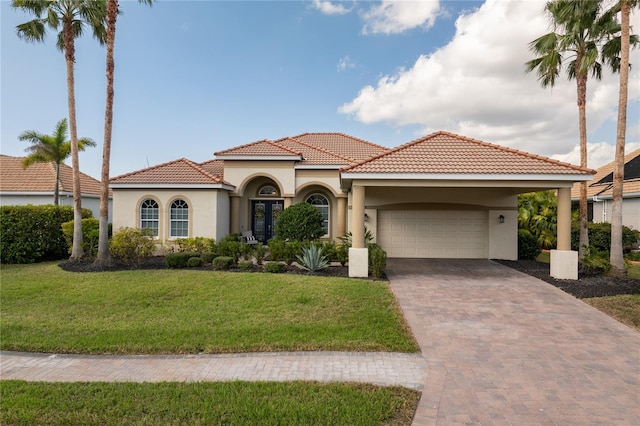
625	308
45	309
227	403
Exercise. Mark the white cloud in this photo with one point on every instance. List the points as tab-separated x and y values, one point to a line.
345	63
476	86
329	8
598	154
396	16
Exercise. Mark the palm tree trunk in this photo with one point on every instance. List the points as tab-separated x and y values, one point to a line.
581	80
69	49
56	190
616	255
103	236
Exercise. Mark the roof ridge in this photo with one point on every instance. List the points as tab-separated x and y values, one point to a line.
196	167
345	135
255	143
318	148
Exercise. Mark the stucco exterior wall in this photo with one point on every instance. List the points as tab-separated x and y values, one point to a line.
240	173
630	212
204	206
91	203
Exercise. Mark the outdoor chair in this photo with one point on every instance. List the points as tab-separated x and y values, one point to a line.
248	238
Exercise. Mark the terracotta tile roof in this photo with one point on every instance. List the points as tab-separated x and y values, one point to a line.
605	189
448	153
180	171
314	155
214	167
41	177
342	145
258	149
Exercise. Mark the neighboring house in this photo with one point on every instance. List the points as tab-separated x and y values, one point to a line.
442	196
36	184
600	192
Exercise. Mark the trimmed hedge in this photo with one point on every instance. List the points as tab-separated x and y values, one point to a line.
180	259
90	235
377	260
600	236
194	262
274	267
31	234
300	222
222	263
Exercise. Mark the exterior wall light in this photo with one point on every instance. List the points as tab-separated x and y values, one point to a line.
501	218
366	217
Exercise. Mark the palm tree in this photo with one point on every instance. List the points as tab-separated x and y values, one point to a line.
582	31
73	16
103	233
51	148
616	254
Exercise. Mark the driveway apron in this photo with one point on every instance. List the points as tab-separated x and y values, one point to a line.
505	348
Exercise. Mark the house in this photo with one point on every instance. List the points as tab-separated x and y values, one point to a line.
36	184
442	196
600	192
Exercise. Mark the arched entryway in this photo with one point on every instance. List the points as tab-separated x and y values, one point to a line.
265	208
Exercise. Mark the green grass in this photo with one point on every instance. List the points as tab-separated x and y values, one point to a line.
200	403
45	309
633	270
625	308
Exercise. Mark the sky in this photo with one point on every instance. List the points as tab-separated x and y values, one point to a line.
196	77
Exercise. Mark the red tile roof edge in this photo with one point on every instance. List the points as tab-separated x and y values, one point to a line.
255	143
157	166
476	141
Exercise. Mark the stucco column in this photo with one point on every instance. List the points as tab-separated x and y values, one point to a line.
342	217
564	262
288	201
358	253
235	215
564	219
357	217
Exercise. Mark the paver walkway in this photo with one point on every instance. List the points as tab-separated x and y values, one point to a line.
371	367
506	348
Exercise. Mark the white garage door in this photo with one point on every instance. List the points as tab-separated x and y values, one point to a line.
433	233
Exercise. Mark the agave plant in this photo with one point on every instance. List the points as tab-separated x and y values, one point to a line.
312	259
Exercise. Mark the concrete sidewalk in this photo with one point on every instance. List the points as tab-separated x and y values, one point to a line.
408	370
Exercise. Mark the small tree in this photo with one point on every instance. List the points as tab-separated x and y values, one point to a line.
300	222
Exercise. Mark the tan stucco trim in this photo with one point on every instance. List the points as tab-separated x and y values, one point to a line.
525	184
304	187
439	206
248	179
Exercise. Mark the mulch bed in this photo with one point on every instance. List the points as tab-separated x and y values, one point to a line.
584	287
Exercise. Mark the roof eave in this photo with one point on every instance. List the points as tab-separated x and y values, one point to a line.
172	186
260	157
461	176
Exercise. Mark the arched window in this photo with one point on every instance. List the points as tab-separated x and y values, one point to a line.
149	216
268	191
321	203
179	219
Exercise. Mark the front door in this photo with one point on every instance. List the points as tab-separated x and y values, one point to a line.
264	215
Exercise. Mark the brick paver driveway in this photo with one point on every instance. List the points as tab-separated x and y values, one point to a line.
504	348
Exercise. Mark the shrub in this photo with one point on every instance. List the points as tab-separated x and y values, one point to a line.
131	245
31	234
180	259
194	262
196	244
247	251
377	260
528	245
342	254
346	239
230	248
292	250
300	222
222	263
595	262
260	253
209	256
90	234
329	250
277	249
312	259
600	236
245	265
274	267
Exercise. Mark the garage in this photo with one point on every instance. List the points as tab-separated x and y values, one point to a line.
433	233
